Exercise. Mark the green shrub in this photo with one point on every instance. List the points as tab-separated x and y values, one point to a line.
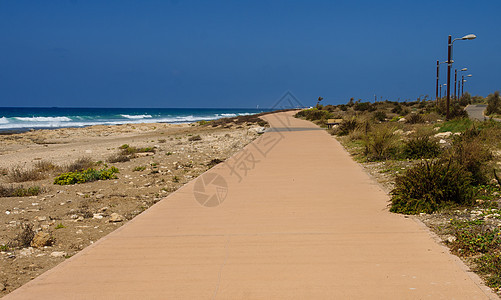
489	265
363	106
346	126
474	237
469	151
380	116
430	186
465	99
380	143
139	168
421	146
86	176
414	118
493	104
314	114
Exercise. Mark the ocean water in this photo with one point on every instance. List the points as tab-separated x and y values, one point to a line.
26	118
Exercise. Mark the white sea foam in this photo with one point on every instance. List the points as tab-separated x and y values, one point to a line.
136	116
43	119
79	121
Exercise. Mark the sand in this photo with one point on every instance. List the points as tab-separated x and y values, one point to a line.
77	215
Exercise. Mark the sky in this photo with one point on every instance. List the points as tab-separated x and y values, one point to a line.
239	54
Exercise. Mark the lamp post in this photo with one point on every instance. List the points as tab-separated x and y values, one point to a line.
445	84
459	85
438	76
449	65
462	83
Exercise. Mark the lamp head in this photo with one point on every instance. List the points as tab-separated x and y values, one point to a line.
469	37
469	75
464	69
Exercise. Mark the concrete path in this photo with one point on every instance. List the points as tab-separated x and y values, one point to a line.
292	216
476	111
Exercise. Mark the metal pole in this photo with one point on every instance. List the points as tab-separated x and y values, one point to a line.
459	89
462	85
438	74
449	64
455	82
440	91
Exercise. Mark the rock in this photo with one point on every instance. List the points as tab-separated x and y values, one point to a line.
41	239
402	120
99	196
97	216
79	231
451	239
2	287
41	219
116	218
104	208
7	212
26	251
79	219
442	142
443	135
58	254
80	194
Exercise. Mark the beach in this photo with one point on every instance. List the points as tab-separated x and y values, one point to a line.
72	217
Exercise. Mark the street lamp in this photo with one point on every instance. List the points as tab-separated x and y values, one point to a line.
449	65
462	83
459	85
445	84
438	76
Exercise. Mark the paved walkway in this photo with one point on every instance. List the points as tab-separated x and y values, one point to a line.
298	220
476	111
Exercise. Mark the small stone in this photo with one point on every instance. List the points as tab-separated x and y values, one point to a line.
58	254
74	216
99	196
104	208
79	219
116	218
26	251
80	194
2	287
41	239
451	239
442	135
41	219
79	231
7	212
97	216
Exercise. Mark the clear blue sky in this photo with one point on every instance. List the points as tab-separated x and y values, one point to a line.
238	53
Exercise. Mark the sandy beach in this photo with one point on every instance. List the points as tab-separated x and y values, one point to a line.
75	216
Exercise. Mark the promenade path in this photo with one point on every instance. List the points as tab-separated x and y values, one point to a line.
299	219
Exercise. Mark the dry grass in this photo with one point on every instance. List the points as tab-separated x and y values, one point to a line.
20	174
80	164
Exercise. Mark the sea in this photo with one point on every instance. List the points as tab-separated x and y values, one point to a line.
19	119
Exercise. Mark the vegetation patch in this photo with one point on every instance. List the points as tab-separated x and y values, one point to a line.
430	186
86	176
19	191
19	174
